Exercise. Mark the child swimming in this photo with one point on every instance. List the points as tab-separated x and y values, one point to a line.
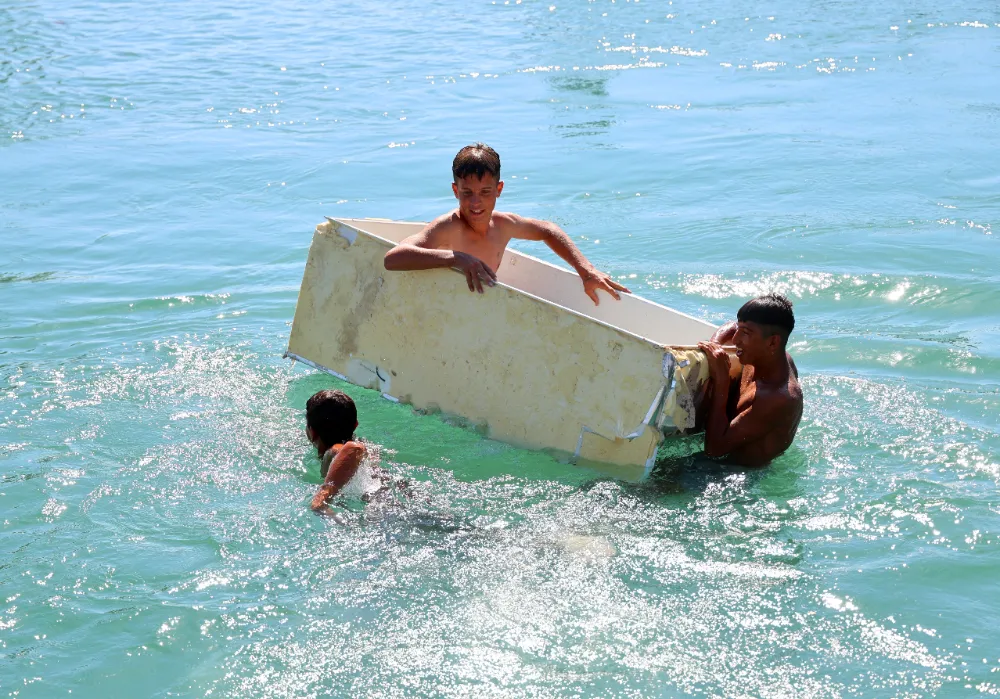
331	419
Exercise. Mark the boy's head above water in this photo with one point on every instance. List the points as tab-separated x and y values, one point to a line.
477	184
763	326
331	418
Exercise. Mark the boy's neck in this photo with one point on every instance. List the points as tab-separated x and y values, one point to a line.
774	371
468	224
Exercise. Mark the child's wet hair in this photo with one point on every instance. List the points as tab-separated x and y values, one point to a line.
478	160
333	416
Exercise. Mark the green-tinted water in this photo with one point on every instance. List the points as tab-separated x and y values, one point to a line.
161	169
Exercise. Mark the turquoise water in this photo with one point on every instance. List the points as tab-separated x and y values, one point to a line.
162	166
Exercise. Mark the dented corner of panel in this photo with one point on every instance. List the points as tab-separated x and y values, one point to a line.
332	226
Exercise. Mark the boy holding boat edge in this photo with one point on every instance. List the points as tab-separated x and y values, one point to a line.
752	421
473	237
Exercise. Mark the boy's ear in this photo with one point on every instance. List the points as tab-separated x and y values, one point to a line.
355	424
499	187
774	342
454	189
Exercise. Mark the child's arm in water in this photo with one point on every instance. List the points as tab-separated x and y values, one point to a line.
345	464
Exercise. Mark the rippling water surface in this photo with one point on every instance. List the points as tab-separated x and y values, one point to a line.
162	166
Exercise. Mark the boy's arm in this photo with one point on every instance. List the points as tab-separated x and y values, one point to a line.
725	334
554	236
345	465
428	249
722	436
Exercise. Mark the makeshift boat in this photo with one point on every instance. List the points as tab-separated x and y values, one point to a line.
531	362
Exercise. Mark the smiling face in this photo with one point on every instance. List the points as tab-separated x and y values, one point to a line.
755	342
477	197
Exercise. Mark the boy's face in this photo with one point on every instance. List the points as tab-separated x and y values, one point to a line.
477	197
753	343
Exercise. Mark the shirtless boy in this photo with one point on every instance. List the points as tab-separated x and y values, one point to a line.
331	418
473	237
752	422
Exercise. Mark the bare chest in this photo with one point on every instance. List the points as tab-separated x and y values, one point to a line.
489	248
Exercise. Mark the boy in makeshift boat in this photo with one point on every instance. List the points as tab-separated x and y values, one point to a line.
473	237
331	418
751	422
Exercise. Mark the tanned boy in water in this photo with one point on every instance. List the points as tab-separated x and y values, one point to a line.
751	422
473	237
331	418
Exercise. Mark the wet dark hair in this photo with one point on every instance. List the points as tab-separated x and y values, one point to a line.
333	416
772	312
477	159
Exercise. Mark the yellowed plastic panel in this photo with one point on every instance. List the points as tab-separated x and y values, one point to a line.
532	373
637	315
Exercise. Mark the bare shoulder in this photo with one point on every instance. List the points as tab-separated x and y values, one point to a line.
354	446
778	399
507	220
516	226
794	388
446	223
437	233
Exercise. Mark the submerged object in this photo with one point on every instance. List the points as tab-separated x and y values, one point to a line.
531	362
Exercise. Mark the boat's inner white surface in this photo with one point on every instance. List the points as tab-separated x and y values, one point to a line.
633	314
